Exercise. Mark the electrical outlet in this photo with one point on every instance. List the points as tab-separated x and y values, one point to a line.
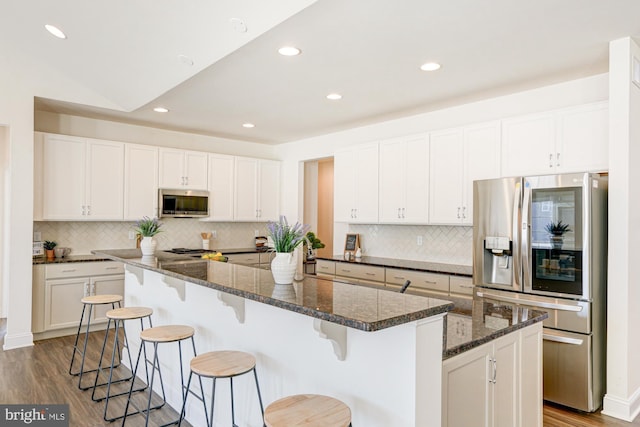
214	234
419	240
132	235
255	233
37	236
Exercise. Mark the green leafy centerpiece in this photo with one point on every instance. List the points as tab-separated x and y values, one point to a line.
286	238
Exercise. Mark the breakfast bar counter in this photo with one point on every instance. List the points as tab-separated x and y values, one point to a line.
378	351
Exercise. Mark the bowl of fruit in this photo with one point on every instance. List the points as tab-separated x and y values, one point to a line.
215	257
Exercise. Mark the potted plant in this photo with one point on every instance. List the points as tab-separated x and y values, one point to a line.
557	229
312	243
147	228
285	239
49	246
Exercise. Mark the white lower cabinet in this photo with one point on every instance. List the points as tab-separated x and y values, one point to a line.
496	384
59	288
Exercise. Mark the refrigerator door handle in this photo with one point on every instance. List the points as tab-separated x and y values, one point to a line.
525	247
517	268
531	303
561	339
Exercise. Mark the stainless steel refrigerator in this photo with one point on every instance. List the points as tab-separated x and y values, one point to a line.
541	242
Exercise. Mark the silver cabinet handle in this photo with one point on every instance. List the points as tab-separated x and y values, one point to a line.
111	268
86	289
69	271
355	213
464	212
398	212
495	369
370	274
466	286
563	340
399	278
346	271
430	282
557	159
551	160
88	209
186	180
402	212
84	210
93	289
458	212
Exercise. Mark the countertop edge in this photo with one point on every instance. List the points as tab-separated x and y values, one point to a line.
414	265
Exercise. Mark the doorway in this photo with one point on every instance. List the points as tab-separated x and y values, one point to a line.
318	201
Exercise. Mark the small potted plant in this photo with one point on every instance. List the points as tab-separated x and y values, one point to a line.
147	228
557	229
312	243
285	239
49	246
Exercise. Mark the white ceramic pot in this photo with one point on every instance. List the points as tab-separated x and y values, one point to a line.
148	246
283	268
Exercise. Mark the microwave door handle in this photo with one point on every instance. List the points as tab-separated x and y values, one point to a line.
516	236
526	245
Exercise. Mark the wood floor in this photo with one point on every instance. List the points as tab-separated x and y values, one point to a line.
39	375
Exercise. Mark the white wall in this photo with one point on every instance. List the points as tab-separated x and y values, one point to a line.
622	398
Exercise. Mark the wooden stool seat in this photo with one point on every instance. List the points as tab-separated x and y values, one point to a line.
222	364
308	410
168	333
129	313
101	299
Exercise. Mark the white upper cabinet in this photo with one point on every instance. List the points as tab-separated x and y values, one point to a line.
404	180
182	169
569	140
140	181
257	189
457	158
82	179
221	187
356	185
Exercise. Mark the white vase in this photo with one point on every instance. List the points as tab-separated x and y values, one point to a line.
148	246
283	268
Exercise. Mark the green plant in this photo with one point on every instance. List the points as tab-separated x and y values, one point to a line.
286	237
147	227
557	228
49	245
315	242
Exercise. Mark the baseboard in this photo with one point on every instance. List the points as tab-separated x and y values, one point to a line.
624	409
17	341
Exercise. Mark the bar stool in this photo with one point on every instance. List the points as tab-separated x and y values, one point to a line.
308	410
118	316
221	364
89	301
155	336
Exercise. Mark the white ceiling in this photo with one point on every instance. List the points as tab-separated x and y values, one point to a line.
367	50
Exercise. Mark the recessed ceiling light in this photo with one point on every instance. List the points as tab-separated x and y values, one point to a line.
161	110
55	31
289	51
334	96
248	125
185	60
430	66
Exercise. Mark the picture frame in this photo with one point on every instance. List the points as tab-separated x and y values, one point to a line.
351	244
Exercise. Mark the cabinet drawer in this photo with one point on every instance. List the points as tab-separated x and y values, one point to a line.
419	279
76	269
358	271
461	285
325	267
246	259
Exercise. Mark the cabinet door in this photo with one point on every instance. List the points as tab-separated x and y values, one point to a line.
171	168
366	184
221	190
62	302
481	161
105	285
268	190
343	186
392	180
445	169
195	167
246	184
105	180
528	145
64	171
506	386
466	389
530	374
140	181
37	299
416	204
583	135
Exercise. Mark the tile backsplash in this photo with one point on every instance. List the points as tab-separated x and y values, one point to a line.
83	237
446	244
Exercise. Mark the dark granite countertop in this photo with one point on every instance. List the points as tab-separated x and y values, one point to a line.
69	258
435	267
358	307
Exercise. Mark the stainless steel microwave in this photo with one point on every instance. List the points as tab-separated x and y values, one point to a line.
183	203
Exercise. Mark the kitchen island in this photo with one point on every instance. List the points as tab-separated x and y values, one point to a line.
380	352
